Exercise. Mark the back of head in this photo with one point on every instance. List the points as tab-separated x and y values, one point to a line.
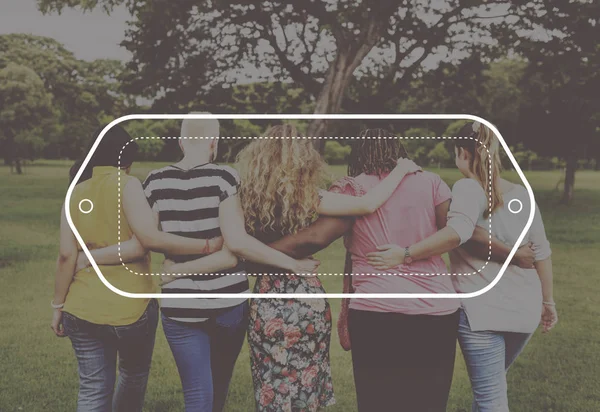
116	148
484	147
375	153
197	132
280	178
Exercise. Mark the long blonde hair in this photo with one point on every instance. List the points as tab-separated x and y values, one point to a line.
484	147
280	179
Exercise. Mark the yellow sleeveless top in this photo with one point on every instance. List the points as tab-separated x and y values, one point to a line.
88	298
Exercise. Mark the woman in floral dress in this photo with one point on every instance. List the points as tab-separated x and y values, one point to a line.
289	338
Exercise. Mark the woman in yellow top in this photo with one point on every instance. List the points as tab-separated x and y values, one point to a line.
101	324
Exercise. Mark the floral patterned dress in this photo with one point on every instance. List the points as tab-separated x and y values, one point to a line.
289	346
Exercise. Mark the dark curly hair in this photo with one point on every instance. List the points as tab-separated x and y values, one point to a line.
375	153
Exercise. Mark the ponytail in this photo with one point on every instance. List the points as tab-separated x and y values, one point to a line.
484	148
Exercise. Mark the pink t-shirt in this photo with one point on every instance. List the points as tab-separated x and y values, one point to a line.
405	219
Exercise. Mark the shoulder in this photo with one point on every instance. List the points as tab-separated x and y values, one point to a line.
348	185
471	189
131	182
226	172
518	192
156	174
425	175
467	185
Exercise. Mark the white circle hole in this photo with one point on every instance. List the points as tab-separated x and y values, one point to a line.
81	206
520	206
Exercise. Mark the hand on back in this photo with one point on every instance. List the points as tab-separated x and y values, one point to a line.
407	166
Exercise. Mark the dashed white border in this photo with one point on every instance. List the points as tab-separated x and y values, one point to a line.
305	138
304	117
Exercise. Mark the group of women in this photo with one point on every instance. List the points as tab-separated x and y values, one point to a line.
397	221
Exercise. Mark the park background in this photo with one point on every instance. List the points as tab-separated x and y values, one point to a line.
529	67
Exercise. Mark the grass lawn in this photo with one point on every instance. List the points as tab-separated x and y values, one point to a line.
38	372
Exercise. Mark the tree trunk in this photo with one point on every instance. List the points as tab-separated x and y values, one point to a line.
18	166
348	57
570	178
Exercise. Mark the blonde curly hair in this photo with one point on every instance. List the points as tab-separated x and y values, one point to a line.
280	180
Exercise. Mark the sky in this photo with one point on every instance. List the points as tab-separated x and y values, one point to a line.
91	35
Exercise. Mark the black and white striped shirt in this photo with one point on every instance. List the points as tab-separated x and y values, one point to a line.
187	202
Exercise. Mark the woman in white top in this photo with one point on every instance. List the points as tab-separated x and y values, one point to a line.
480	233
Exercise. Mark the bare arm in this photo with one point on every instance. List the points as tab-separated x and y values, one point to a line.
439	243
217	261
549	314
335	204
65	264
544	270
131	251
65	270
233	227
143	224
444	240
479	246
320	234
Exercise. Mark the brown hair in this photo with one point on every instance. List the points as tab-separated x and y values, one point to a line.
485	164
375	153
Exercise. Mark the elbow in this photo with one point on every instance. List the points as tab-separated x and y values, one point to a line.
149	242
140	252
236	246
232	261
455	239
369	208
320	241
64	256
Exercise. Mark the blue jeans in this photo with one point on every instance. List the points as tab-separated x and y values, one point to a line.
488	355
205	354
97	348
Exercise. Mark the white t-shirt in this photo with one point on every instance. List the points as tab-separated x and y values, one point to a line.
514	304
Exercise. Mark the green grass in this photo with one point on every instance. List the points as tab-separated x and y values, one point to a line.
38	372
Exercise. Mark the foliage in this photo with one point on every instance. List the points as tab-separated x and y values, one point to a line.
335	153
26	114
440	155
347	55
82	92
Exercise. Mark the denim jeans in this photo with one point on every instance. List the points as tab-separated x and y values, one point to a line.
97	348
205	354
488	355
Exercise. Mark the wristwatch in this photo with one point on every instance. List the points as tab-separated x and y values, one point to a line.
407	257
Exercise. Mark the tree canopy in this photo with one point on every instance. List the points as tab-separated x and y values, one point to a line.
26	113
83	93
183	49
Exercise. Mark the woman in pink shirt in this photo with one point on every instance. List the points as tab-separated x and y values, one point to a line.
495	326
402	349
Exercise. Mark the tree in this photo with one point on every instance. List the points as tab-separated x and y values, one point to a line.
560	115
183	49
26	112
439	154
83	92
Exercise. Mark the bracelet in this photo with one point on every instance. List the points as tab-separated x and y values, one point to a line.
549	303
54	306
